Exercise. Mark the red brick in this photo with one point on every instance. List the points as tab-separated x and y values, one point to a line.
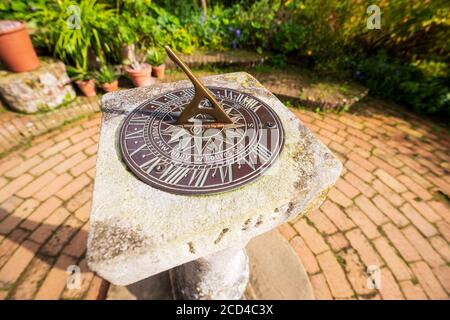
395	264
364	223
337	241
441	209
79	199
363	187
77	245
415	187
13	186
444	229
37	185
428	281
287	231
322	223
441	246
363	247
84	134
23	167
393	214
84	212
406	248
320	287
23	211
346	188
379	163
306	256
338	197
419	222
416	177
361	161
76	148
388	193
95	290
47	164
67	133
42	212
56	280
390	181
413	291
423	246
312	238
389	289
359	171
360	142
69	163
443	275
37	148
73	187
370	210
91	150
17	263
61	237
44	231
422	207
9	163
335	214
11	243
84	166
57	148
32	278
53	187
355	272
335	276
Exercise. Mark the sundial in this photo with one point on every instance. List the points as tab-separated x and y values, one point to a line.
200	140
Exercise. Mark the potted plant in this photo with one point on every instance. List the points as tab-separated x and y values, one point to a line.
139	71
107	78
156	57
84	80
16	49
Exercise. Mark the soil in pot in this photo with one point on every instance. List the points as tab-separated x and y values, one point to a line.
111	87
16	49
158	71
87	87
141	77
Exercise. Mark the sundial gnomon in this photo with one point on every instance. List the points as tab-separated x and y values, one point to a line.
201	140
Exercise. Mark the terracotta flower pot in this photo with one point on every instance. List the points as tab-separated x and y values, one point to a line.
140	78
16	49
87	87
158	71
111	87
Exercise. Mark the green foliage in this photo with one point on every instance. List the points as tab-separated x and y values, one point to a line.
106	74
156	56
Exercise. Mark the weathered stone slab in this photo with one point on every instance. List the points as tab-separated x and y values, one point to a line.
137	231
42	89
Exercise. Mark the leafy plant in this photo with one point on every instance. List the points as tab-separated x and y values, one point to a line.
79	74
156	56
106	74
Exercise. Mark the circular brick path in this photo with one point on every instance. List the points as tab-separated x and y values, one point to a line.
389	209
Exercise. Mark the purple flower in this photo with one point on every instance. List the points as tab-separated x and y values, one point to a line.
238	33
230	29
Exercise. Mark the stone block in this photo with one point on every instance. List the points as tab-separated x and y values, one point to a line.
137	231
42	89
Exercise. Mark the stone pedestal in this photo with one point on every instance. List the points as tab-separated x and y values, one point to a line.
220	276
137	231
42	89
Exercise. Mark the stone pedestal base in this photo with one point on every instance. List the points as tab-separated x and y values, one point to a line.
42	89
220	276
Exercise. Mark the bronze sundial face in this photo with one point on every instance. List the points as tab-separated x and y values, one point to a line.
200	155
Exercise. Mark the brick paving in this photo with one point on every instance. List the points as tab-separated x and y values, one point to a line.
390	208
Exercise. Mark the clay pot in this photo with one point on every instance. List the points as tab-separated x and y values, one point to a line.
16	49
158	71
87	87
142	77
111	87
